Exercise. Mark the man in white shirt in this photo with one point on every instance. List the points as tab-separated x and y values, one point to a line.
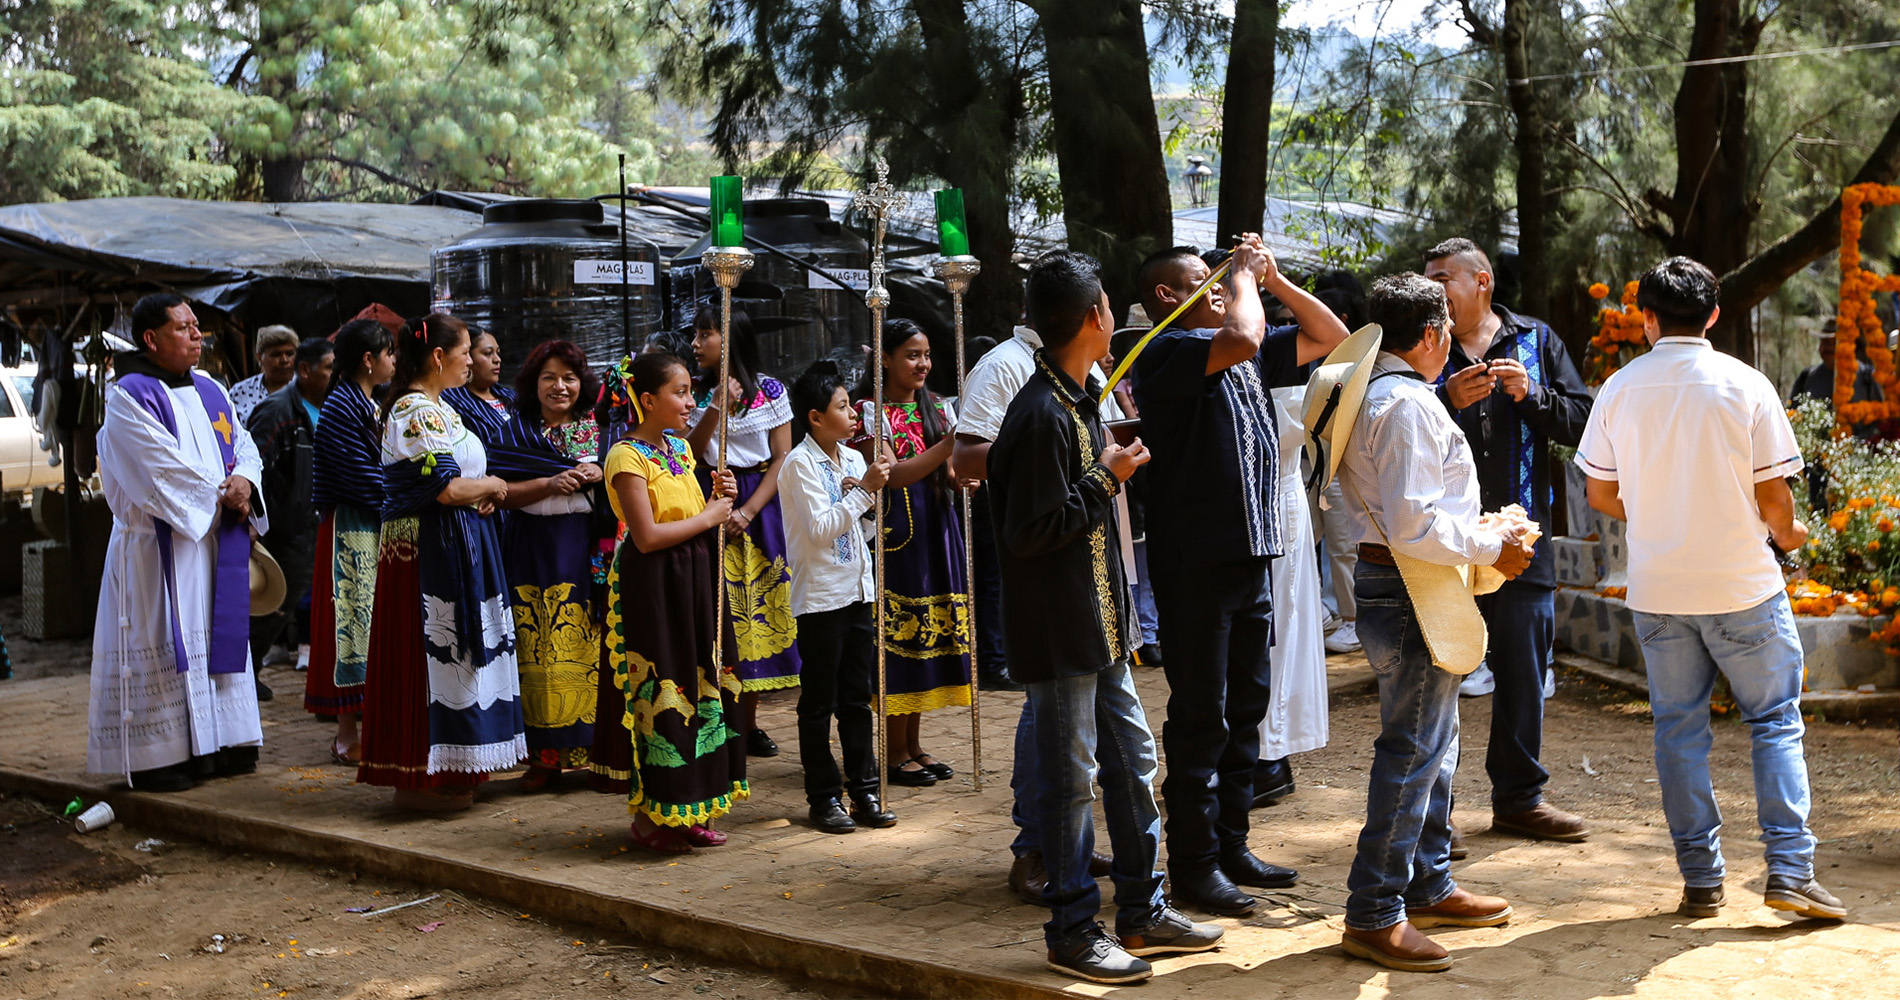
1411	487
986	395
1693	449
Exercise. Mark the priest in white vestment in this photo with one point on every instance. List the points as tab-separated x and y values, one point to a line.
178	494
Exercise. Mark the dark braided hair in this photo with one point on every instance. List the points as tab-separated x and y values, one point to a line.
415	346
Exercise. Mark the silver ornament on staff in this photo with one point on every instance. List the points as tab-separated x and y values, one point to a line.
877	201
728	265
957	273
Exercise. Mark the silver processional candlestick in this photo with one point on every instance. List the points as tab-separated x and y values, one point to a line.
877	200
728	265
956	273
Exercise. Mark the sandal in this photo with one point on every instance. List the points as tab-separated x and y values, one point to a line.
700	835
347	756
938	769
539	778
663	840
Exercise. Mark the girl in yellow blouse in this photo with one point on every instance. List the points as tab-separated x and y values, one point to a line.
684	764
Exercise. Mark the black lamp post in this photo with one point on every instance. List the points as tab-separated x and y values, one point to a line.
1197	174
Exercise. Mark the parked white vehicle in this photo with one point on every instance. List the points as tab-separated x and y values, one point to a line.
23	463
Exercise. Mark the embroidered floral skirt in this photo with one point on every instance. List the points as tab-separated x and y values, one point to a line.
342	601
927	611
442	703
670	741
759	592
557	643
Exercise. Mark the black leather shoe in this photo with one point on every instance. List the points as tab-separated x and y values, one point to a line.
868	811
760	744
936	768
1149	656
1211	891
829	816
1807	899
176	778
232	761
919	778
998	681
1272	781
264	693
1245	869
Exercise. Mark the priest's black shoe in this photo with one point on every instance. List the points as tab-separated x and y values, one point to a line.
1245	869
1212	891
232	761
264	693
1272	781
830	817
866	810
176	778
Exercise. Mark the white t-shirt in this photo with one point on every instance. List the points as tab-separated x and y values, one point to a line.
1686	432
998	377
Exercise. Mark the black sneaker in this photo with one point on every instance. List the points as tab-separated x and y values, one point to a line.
1093	955
1172	933
1785	892
1701	901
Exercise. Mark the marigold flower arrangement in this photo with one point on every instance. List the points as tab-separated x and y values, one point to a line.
1619	339
1857	322
1852	557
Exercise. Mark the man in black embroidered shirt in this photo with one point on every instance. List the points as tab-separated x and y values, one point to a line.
1213	529
1066	634
1511	388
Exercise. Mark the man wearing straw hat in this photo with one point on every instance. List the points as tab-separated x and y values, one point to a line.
1412	494
1202	386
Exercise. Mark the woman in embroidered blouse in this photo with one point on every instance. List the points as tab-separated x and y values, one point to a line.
685	765
758	582
547	546
347	489
927	614
442	706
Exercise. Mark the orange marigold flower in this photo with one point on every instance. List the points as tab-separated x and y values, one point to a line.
1599	290
1885	524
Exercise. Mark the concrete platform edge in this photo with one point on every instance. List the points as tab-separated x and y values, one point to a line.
681	930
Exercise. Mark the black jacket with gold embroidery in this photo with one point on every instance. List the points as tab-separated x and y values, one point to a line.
1065	597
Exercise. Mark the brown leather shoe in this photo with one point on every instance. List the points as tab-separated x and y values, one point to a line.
1462	909
1543	822
1100	865
1458	850
1399	946
1027	877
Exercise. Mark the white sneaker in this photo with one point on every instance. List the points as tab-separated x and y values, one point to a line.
1550	684
279	656
1345	638
1331	624
1478	683
303	656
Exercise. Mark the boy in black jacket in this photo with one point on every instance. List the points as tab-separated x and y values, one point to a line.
1066	633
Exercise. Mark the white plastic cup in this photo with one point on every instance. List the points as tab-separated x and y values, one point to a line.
98	816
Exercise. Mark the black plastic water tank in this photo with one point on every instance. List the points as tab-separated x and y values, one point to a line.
800	315
549	269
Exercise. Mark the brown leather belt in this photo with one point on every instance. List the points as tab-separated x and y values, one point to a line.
1376	554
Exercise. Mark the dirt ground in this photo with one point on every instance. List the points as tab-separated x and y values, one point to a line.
95	916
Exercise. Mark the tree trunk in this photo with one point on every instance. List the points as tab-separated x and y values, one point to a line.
1712	208
1246	114
1531	140
1107	138
977	111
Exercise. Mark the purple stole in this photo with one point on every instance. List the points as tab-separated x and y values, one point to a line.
229	649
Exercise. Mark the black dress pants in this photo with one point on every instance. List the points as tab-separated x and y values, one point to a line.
838	650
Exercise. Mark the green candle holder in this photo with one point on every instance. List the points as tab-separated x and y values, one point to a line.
953	233
728	211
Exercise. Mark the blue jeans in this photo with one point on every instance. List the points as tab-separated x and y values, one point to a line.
1025	780
1145	619
1404	854
1759	652
1086	727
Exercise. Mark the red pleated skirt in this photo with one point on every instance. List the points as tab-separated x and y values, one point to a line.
321	696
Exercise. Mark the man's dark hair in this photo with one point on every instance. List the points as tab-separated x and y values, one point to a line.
312	350
1156	268
1682	293
1404	305
152	312
1458	246
1063	286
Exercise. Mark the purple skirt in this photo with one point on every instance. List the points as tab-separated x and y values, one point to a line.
759	594
927	610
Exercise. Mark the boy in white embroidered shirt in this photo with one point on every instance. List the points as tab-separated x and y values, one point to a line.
825	489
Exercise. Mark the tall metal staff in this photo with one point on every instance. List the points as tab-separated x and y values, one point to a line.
728	260
956	268
878	200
